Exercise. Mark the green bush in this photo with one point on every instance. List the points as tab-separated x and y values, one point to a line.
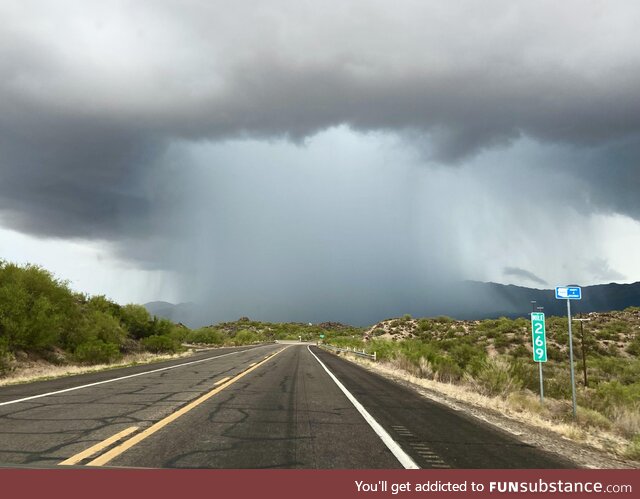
497	378
426	325
467	356
444	319
161	344
446	369
615	394
35	308
613	329
501	341
521	351
96	352
102	304
205	336
633	348
633	449
245	337
137	321
5	357
385	349
557	382
414	349
589	417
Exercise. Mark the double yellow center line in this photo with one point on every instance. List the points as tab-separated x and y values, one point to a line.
136	439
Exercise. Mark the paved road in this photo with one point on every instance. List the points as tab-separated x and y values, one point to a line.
271	406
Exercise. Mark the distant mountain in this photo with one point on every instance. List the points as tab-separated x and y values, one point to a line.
465	300
181	312
488	299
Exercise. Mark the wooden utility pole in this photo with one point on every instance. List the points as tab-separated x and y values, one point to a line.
584	357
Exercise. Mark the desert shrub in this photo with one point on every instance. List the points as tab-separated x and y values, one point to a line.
385	350
104	327
414	349
554	353
96	352
626	419
161	326
35	308
468	358
633	449
245	337
400	361
426	325
557	383
526	372
378	332
206	335
633	348
496	378
137	321
344	342
102	304
614	394
612	329
591	418
446	370
501	341
444	319
520	351
630	372
608	367
524	401
5	357
504	325
94	325
161	344
425	369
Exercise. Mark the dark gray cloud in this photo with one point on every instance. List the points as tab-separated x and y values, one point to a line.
92	93
102	106
602	271
524	274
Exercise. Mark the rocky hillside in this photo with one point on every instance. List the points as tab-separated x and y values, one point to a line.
614	333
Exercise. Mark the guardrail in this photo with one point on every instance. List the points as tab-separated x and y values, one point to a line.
360	353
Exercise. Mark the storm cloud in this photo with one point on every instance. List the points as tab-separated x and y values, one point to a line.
135	123
524	274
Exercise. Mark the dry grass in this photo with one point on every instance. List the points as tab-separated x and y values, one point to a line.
627	420
37	371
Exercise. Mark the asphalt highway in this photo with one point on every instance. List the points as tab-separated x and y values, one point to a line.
267	406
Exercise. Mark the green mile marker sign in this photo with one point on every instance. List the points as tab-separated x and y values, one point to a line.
538	336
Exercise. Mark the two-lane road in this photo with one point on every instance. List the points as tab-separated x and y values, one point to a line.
270	406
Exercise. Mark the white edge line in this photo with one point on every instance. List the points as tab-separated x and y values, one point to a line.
25	399
392	445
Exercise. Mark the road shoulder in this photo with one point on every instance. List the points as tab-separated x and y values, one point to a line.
583	455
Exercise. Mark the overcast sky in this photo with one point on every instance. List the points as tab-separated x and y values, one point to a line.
337	160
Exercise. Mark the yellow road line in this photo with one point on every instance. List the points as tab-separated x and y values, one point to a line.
136	439
251	365
98	447
220	381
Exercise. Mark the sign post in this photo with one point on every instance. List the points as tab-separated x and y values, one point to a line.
539	341
570	293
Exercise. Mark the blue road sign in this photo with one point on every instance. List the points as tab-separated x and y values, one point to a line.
568	293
